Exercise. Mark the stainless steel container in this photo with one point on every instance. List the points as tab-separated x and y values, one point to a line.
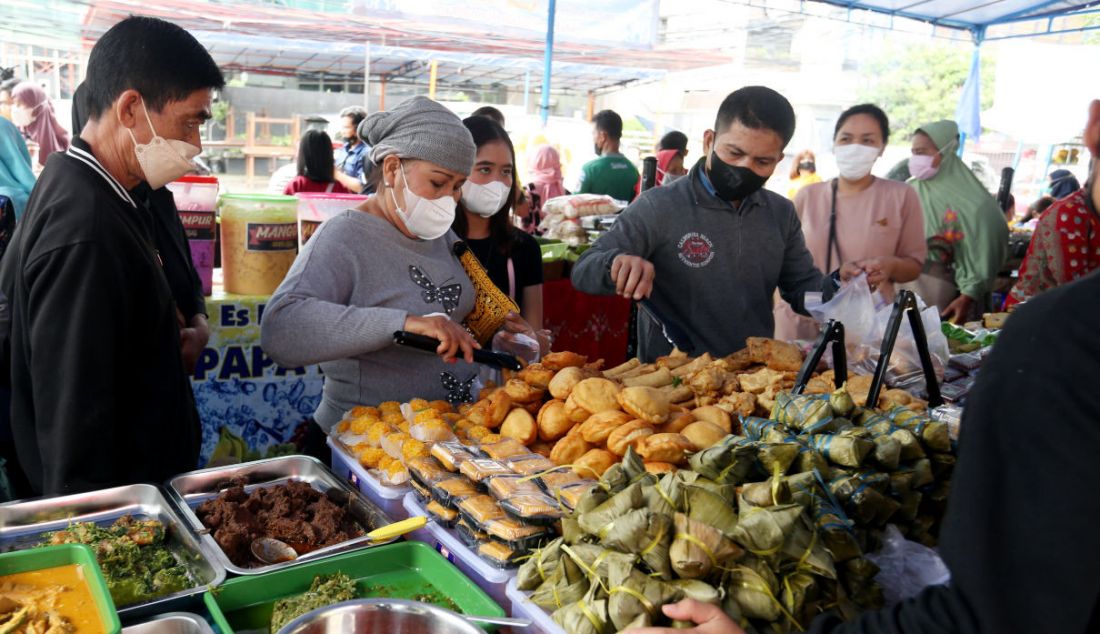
172	623
391	616
192	489
23	523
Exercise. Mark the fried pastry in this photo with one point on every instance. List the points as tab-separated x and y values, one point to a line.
646	403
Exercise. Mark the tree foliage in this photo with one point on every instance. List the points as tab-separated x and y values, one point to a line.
920	83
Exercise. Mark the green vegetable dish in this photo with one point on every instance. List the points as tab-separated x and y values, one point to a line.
133	555
329	589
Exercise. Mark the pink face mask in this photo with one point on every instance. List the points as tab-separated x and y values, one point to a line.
920	166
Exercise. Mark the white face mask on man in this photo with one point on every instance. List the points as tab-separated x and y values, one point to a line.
163	160
426	219
854	161
484	200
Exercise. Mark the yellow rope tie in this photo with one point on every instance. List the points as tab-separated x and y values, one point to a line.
768	592
652	545
706	549
664	494
646	603
592	618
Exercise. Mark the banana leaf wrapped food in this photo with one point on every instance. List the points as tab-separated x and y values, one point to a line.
701	591
646	533
797	589
836	534
559	591
632	593
847	451
629	471
703	505
887	452
776	458
594	561
866	504
943	465
772	492
921	470
587	616
934	433
539	567
601	519
841	401
806	551
698	549
802	411
763	530
754	588
730	461
756	428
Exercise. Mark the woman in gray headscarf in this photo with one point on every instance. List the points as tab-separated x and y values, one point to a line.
385	266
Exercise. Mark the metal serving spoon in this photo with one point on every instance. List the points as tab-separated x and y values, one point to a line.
274	551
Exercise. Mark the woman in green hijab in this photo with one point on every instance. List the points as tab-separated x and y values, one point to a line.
966	230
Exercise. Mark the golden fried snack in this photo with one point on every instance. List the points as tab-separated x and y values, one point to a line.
598	427
562	360
819	385
636	372
593	463
595	366
536	375
760	380
619	369
681	394
715	415
709	380
739	361
698	363
492	439
499	406
738	404
647	403
777	355
676	423
479	414
575	412
520	425
732	384
627	435
677	358
541	448
596	395
523	393
659	468
858	388
703	434
552	421
658	378
561	386
569	449
671	448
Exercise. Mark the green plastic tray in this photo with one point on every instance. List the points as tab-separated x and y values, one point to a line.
554	251
63	555
402	571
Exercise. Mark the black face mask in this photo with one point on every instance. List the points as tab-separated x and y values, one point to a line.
733	182
808	166
596	149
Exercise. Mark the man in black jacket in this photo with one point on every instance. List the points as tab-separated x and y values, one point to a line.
100	396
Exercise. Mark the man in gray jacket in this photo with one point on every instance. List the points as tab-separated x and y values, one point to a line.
708	251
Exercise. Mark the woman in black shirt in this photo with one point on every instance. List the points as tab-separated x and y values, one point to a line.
511	257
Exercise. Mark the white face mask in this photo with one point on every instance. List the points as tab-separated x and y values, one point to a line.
484	200
854	160
425	219
22	116
163	160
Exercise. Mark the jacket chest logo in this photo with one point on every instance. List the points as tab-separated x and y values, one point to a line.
696	250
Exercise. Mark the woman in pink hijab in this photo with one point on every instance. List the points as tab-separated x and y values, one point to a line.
33	113
546	183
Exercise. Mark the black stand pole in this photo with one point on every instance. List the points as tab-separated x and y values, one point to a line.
832	333
905	303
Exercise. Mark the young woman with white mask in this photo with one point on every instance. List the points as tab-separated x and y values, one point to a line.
510	256
859	217
388	265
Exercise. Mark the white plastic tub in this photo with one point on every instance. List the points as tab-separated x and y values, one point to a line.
388	498
522	608
493	581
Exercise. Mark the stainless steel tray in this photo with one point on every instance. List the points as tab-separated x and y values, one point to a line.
172	623
192	489
22	524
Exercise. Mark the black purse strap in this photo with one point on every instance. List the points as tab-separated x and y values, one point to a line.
833	242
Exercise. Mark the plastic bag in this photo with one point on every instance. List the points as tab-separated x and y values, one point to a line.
906	567
865	324
518	345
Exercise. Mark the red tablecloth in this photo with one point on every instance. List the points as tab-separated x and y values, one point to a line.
591	325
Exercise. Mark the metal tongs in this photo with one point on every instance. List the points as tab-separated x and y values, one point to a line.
673	332
485	357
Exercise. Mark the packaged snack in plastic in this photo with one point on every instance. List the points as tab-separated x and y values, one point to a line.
391	472
427	471
497	554
536	508
481	469
441	514
505	449
423	493
571	495
556	480
453	490
533	464
393	442
479	509
505	486
470	535
451	454
517	535
431	429
967	361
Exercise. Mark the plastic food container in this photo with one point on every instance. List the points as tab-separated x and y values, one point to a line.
259	241
522	608
493	581
313	209
64	555
404	571
196	200
172	623
387	498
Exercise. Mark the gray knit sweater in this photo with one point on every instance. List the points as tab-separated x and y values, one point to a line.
350	289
